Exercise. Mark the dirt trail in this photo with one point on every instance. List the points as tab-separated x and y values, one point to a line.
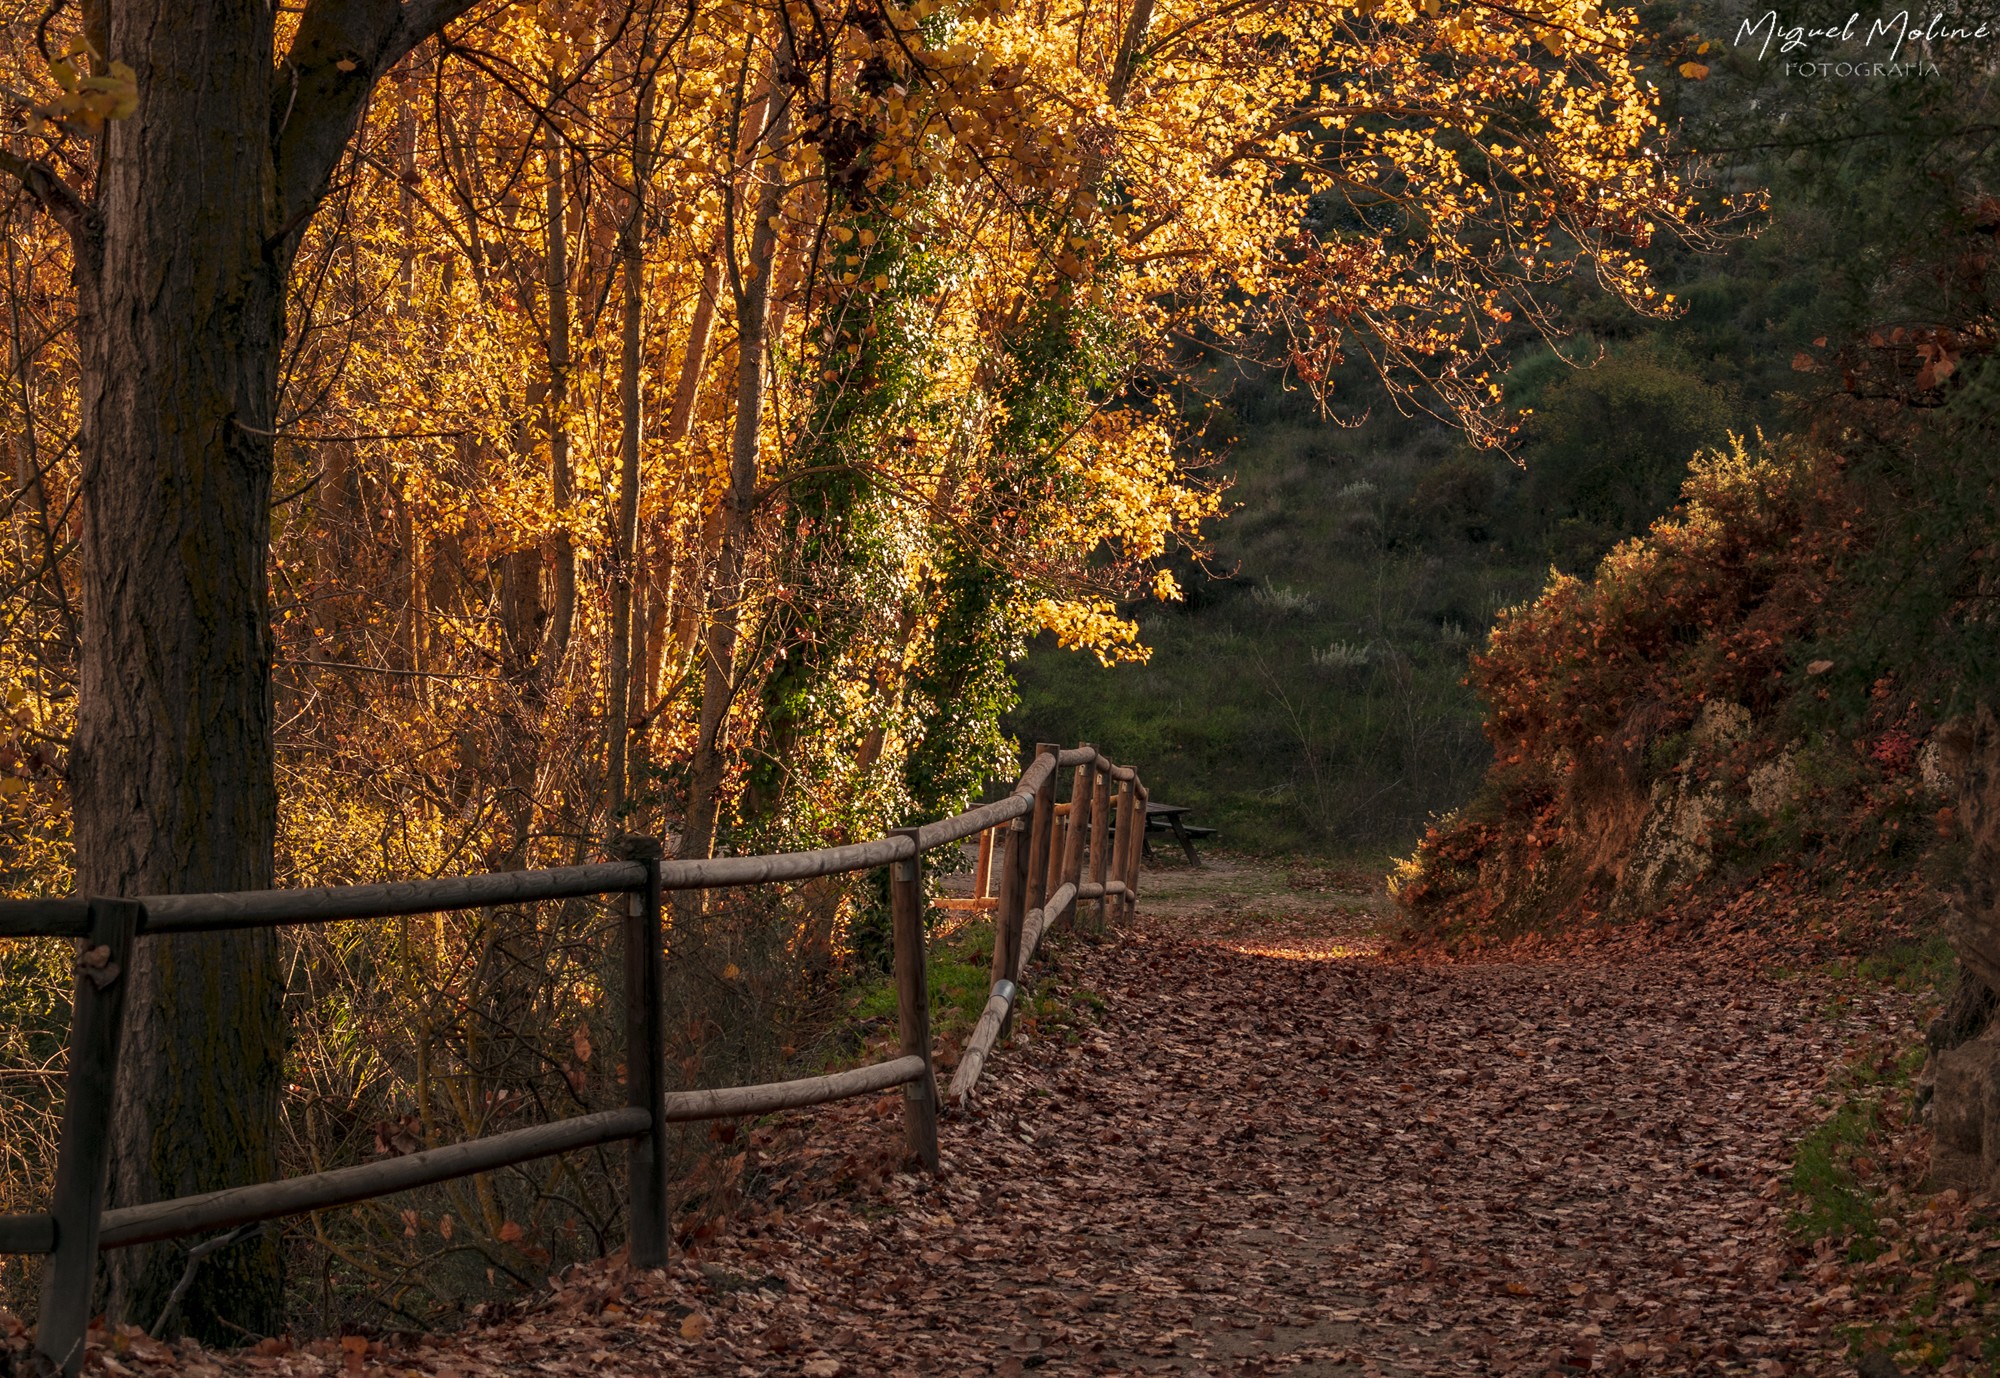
1277	1151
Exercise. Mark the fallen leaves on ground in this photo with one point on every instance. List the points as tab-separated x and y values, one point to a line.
1260	1164
1914	1274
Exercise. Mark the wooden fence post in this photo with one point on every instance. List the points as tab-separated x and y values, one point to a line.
1122	850
1058	843
982	869
84	1158
1013	908
1134	852
1076	827
1100	819
645	1059
913	1001
1013	890
1041	824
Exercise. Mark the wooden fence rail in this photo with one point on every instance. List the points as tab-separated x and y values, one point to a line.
1033	855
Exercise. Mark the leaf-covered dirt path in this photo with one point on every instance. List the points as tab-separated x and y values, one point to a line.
1274	1150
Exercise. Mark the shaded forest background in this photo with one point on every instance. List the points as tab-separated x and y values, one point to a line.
1313	692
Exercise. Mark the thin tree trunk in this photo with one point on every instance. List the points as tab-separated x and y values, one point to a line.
618	711
681	605
645	662
562	620
1127	63
753	312
406	204
416	610
701	332
28	464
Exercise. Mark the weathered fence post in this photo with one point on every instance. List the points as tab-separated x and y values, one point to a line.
1013	907
1122	848
1134	853
1041	827
1100	819
982	870
1013	890
1058	842
645	1058
913	1000
102	967
1076	829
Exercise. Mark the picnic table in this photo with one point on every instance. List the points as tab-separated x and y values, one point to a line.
1163	818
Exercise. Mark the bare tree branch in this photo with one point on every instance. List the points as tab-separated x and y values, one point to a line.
342	48
49	190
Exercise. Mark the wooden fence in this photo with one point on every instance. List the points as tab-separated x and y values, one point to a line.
1049	858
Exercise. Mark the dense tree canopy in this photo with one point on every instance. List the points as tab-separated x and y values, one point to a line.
969	231
654	416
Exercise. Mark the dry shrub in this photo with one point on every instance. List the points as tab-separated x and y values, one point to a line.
34	1019
1595	688
415	1032
472	1024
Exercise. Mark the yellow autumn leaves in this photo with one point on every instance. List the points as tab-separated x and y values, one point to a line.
959	194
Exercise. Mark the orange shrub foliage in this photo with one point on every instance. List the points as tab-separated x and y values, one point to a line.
1592	686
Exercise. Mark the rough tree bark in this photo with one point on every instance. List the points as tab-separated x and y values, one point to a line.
1965	1039
182	252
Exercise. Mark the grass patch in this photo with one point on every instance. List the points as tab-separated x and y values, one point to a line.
1911	1272
1061	1012
1834	1170
958	966
1925	967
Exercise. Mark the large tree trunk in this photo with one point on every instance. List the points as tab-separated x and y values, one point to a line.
203	191
180	325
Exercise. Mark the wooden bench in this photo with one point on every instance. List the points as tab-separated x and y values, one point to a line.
1165	818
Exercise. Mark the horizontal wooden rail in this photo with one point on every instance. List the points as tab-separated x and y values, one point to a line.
221	1210
980	1045
978	820
721	872
975	821
1042	920
28	1234
792	1095
325	904
264	908
44	918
